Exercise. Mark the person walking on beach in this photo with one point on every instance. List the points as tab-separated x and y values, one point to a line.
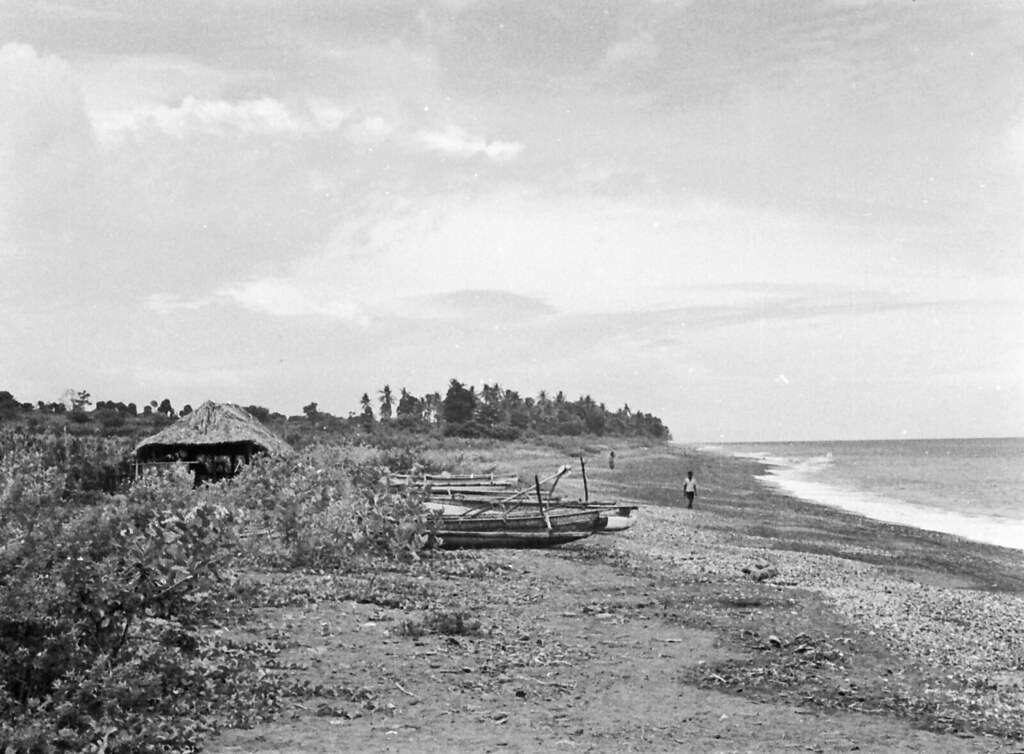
689	489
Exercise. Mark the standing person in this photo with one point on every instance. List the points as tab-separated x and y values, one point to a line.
689	488
611	460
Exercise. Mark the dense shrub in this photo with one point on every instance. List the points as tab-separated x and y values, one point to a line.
99	609
104	598
88	464
326	508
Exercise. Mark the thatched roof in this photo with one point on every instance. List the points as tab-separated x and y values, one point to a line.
212	425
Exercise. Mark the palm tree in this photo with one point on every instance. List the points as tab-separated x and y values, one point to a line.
386	403
432	407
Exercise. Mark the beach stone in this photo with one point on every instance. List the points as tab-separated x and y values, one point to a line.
761	571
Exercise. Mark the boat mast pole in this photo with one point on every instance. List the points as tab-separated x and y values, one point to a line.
583	469
540	503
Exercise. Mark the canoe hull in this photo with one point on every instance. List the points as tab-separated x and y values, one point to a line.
613	517
487	529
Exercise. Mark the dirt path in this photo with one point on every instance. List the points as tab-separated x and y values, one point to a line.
553	650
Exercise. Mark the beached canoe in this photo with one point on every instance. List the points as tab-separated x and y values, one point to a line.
614	517
442	481
530	528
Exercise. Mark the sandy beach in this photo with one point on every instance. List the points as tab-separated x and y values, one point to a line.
754	622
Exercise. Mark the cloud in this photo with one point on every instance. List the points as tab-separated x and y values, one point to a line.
456	141
445	254
372	128
286	298
480	305
262	116
47	149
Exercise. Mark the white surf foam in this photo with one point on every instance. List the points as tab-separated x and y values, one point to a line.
792	478
796	477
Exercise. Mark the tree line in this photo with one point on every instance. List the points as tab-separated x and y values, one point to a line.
494	411
463	411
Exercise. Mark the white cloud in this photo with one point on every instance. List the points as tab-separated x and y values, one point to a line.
374	127
577	254
290	298
455	140
47	148
262	116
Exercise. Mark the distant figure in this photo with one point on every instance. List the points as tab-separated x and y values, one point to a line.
202	469
689	489
611	460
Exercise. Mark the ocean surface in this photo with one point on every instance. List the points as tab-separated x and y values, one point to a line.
972	488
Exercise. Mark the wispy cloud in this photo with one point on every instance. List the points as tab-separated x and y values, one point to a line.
285	298
47	147
262	116
456	141
491	305
572	253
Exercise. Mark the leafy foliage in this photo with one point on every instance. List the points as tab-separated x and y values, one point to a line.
106	599
464	411
325	509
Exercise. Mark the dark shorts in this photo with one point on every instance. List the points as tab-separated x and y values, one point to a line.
689	495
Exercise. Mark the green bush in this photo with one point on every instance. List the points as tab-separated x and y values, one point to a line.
100	606
325	508
104	598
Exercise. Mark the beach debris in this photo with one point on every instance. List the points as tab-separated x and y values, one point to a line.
761	570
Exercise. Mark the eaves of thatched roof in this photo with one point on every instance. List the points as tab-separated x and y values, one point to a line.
212	425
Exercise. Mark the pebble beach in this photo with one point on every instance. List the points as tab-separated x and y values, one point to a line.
946	603
754	622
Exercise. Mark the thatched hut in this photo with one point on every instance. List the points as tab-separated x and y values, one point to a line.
214	440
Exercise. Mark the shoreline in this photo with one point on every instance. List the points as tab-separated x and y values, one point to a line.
754	622
787	479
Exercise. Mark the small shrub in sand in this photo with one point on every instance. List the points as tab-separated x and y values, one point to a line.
446	622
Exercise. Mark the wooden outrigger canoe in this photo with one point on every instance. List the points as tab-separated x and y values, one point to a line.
470	502
444	481
516	529
489	511
614	517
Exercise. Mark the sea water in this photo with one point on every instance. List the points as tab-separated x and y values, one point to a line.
973	488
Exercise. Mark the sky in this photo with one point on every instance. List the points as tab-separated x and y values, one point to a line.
756	220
